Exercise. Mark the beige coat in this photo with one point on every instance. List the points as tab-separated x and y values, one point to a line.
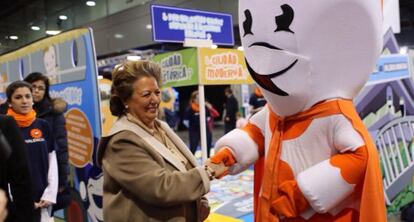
145	182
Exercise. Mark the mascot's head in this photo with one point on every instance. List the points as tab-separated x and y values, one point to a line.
301	52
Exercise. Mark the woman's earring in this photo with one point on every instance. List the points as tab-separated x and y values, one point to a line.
126	106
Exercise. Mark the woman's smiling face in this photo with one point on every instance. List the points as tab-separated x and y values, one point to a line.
145	100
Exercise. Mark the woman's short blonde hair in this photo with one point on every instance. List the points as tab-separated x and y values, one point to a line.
123	77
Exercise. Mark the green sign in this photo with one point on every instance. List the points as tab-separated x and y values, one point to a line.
178	68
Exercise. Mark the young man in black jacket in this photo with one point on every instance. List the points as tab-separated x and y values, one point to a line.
14	171
232	107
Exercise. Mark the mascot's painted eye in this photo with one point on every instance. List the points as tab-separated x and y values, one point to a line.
247	24
284	20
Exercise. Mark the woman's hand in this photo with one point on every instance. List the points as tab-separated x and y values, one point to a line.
219	169
224	155
43	204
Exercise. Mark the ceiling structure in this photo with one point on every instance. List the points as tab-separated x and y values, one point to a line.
17	17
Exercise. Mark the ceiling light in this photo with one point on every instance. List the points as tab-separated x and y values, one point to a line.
13	37
90	3
133	58
118	36
35	28
240	48
63	17
53	32
214	46
149	26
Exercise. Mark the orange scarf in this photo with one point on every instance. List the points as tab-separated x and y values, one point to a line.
23	120
195	107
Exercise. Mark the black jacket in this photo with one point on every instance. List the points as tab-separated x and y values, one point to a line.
52	111
232	107
15	171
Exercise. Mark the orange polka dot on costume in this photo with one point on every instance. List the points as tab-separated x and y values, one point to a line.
36	133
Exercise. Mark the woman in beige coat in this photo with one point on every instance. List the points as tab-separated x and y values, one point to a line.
149	173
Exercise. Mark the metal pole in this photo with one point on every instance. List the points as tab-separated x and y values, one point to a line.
202	123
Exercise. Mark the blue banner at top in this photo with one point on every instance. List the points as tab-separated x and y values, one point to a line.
389	68
171	24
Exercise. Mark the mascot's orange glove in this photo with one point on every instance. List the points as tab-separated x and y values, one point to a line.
225	156
291	202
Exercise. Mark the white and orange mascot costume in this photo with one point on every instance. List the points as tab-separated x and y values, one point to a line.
313	158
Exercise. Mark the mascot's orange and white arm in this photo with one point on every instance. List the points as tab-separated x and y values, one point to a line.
325	183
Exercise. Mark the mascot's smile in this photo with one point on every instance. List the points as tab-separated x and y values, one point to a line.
264	80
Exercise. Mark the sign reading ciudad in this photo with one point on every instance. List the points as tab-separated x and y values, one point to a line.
171	24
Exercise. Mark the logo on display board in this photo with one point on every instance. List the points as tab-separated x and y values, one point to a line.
173	69
170	24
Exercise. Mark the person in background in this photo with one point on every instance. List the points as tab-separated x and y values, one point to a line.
14	172
168	112
256	101
40	145
52	111
149	173
232	107
192	121
213	115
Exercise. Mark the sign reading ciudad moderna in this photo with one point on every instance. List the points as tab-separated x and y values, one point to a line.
171	24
